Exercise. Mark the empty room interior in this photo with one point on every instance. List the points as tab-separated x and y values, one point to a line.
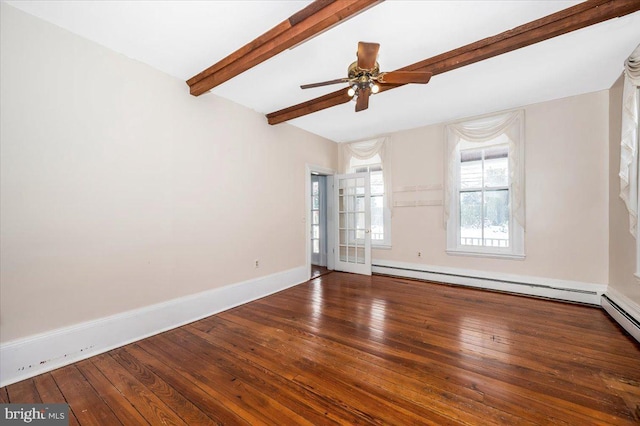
320	212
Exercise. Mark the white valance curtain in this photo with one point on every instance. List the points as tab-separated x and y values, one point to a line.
365	150
483	129
629	143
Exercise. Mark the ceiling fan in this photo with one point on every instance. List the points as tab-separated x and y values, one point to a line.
364	76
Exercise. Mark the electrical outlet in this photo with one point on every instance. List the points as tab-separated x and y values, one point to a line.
419	254
257	263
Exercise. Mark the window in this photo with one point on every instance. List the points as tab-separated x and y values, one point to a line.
373	156
484	197
485	192
380	226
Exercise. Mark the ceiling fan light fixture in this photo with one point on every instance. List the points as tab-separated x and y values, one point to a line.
352	90
375	88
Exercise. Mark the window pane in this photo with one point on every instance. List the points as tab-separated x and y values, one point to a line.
377	183
377	218
315	202
499	151
316	231
316	246
496	221
471	218
315	217
471	169
496	172
314	187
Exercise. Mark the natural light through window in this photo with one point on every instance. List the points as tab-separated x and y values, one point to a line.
374	167
484	191
484	197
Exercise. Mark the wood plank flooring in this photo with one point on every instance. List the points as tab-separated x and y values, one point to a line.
349	349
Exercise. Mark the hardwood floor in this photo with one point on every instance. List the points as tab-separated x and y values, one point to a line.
349	349
317	270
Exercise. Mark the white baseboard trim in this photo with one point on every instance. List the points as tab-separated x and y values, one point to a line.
623	310
24	358
573	291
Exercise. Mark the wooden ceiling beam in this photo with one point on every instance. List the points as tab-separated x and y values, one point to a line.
319	16
573	18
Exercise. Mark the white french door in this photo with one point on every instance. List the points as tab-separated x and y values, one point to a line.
353	224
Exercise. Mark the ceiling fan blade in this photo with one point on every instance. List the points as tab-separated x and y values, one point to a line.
362	102
367	55
324	83
404	77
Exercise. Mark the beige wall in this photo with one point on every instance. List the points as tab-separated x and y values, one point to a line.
120	190
566	195
622	254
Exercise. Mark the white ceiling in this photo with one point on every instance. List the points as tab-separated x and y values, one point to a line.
182	38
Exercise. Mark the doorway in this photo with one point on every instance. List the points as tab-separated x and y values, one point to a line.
319	220
318	238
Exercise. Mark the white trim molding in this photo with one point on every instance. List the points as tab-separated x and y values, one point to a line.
573	291
623	310
323	171
28	357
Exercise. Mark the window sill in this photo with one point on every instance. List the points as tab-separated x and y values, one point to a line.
510	256
381	246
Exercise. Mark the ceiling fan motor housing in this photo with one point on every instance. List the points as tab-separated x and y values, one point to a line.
362	78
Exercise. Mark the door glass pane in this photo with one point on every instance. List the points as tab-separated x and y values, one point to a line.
343	254
360	255
360	223
351	224
316	246
316	231
350	203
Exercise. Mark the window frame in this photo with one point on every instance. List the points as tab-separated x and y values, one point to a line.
516	249
385	243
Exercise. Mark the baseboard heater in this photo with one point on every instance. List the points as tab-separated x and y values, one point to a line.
590	297
622	317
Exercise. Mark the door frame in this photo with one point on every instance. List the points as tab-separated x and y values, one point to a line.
324	171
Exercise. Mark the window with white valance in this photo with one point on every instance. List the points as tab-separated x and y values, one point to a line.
629	140
374	157
484	199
